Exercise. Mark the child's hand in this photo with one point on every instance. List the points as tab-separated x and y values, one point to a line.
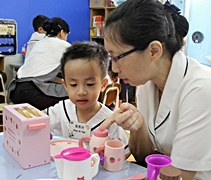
127	116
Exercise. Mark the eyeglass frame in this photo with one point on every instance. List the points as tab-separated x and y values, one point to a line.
123	55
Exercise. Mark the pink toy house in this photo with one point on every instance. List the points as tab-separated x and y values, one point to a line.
26	134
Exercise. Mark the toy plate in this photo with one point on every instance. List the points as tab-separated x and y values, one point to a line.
57	146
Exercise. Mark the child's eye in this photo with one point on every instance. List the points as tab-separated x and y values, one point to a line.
73	85
90	84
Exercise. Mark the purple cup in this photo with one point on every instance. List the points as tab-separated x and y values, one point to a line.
154	163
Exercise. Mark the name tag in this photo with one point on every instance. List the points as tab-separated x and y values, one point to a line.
78	130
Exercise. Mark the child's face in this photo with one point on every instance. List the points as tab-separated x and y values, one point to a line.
83	82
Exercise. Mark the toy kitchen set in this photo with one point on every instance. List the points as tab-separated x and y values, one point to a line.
26	134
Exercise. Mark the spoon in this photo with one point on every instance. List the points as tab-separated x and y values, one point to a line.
136	177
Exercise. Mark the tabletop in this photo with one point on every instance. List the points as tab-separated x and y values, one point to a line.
16	65
11	170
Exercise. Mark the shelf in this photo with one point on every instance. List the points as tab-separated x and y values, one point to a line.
93	37
113	7
2	62
100	9
7	44
8	38
97	7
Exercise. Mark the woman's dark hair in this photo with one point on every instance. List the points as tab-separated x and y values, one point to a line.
139	22
87	50
55	25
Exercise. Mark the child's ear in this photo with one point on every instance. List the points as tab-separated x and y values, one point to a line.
64	84
40	30
104	84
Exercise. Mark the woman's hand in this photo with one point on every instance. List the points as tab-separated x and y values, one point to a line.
127	116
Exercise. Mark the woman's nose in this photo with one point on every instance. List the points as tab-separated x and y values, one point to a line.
115	68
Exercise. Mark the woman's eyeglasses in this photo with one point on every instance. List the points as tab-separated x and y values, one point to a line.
122	55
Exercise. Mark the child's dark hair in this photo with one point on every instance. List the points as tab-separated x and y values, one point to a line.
38	21
55	25
87	50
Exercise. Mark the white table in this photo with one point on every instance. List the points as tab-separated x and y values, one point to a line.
11	170
15	67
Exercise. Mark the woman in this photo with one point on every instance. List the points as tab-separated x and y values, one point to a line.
34	83
144	39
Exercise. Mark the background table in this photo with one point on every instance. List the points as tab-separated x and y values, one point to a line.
11	170
15	67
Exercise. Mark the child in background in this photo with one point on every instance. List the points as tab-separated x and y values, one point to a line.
36	82
84	67
39	33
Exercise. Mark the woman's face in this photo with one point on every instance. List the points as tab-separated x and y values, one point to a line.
134	68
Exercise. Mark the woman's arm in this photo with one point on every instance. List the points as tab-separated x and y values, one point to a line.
187	175
140	144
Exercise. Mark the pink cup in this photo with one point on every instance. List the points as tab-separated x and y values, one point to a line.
154	163
114	155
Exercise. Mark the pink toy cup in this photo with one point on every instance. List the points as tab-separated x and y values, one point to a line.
154	163
114	155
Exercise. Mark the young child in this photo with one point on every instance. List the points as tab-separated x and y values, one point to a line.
38	34
84	67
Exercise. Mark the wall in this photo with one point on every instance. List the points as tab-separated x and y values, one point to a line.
199	18
75	12
198	14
